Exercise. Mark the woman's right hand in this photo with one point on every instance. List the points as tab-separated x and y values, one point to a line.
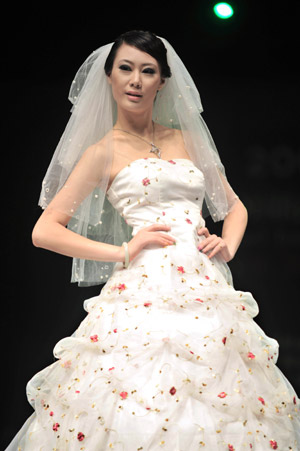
149	235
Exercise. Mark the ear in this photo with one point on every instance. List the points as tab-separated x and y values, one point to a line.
162	82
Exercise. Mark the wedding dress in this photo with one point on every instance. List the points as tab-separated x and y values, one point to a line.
168	357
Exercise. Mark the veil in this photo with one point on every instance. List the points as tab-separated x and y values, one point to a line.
78	175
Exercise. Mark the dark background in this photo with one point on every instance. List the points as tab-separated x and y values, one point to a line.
245	69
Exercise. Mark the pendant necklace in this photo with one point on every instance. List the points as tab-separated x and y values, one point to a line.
153	149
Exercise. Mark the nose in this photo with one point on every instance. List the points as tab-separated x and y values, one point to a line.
136	79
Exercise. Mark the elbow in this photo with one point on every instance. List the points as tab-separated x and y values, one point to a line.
36	237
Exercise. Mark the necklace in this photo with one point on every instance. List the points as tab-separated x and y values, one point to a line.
153	149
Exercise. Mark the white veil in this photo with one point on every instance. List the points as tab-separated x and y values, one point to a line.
80	168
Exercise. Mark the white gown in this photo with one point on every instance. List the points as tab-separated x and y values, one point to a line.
169	357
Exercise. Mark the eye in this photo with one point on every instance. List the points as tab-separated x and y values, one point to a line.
124	67
148	70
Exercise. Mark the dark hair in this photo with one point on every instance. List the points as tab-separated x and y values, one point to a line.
146	41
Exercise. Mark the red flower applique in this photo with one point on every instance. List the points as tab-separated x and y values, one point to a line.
80	436
94	338
180	269
294	399
206	277
115	331
222	394
273	444
147	304
173	391
123	394
188	221
230	447
261	400
146	181
243	307
224	340
171	161
164	213
55	426
199	300
51	413
112	368
251	356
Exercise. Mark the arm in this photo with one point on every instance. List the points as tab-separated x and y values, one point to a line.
233	230
50	231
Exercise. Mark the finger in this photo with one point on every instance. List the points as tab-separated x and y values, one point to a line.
204	231
216	250
207	241
210	245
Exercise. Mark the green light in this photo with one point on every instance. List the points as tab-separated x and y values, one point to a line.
223	10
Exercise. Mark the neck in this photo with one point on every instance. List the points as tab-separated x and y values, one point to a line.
139	124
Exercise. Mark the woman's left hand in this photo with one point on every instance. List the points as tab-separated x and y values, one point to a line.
215	244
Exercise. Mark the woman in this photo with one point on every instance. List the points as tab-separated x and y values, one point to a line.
169	356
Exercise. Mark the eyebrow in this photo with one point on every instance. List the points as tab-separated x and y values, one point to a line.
145	64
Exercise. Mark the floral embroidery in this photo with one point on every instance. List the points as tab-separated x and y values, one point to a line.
94	338
120	287
171	161
146	181
67	364
147	304
115	331
251	356
261	400
51	413
123	394
188	221
206	277
294	399
173	391
230	447
222	394
80	436
180	269
112	368
199	300
273	444
55	426
224	340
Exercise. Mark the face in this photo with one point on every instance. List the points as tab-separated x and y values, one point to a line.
135	79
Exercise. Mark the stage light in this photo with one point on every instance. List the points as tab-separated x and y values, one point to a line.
223	10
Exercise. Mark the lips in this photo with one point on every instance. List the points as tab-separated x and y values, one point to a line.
134	94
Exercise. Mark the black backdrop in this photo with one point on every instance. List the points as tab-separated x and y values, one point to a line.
245	69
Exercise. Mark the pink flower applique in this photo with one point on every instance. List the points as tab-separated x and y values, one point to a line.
273	444
206	277
224	340
67	364
164	213
51	413
146	181
115	331
123	394
251	356
94	338
80	436
180	269
199	300
112	368
230	447
172	161
147	304
173	391
243	307
222	394
261	400
188	221
148	408
294	399
55	426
